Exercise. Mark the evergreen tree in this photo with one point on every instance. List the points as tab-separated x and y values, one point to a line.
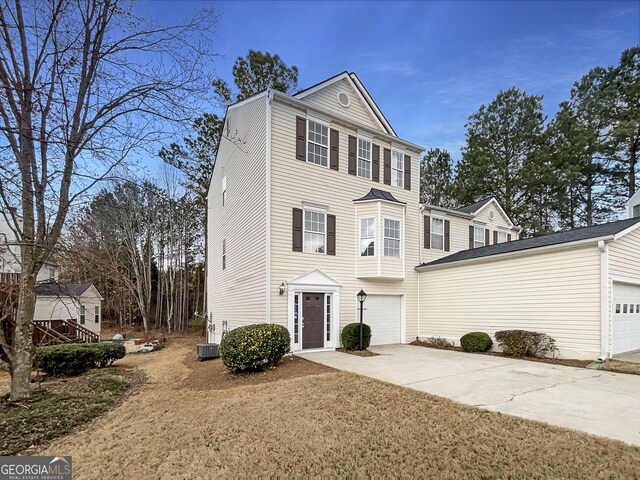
436	178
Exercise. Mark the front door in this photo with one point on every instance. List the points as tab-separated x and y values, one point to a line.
313	320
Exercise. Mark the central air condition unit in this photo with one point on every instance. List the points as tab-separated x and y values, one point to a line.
208	350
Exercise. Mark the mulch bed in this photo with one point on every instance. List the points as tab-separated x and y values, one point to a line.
213	375
358	353
567	362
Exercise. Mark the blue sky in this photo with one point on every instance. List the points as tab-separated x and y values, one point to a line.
429	65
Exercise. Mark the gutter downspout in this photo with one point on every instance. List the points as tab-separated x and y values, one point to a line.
420	227
605	318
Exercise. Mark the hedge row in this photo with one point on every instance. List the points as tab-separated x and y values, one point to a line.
77	358
515	343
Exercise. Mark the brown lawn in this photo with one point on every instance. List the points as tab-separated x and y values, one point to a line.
193	420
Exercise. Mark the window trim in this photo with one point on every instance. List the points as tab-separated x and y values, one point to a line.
304	229
83	314
364	238
506	236
96	314
399	239
393	169
635	211
224	254
328	146
361	138
476	242
432	232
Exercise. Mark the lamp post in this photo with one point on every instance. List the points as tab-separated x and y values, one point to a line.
361	298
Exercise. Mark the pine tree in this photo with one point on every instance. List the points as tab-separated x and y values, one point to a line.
436	178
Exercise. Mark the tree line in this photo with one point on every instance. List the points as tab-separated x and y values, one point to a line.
577	169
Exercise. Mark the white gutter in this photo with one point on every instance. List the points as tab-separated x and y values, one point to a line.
517	253
345	121
605	317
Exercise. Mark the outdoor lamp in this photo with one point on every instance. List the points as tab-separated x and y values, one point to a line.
282	288
362	296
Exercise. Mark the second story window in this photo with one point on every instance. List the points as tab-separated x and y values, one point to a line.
224	190
364	158
397	169
318	143
391	238
314	232
636	211
83	315
437	233
224	254
96	314
367	237
478	237
502	237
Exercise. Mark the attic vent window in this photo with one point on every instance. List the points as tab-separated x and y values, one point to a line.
492	215
344	99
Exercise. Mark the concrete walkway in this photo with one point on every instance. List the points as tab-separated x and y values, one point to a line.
594	401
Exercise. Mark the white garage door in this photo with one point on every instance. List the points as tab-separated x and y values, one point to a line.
626	318
382	313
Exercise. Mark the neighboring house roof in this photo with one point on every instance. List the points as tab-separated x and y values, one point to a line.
54	289
569	236
474	207
376	194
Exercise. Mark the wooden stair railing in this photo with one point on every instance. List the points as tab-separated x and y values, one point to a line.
54	332
83	333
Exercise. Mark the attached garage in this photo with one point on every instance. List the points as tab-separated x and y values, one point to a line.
383	313
570	285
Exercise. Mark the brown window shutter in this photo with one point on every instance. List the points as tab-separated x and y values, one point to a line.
297	230
334	139
301	138
387	166
407	172
508	237
447	235
353	146
375	163
470	236
331	234
495	237
487	237
427	232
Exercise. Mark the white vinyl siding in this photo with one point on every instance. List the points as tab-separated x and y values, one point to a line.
556	292
397	168
68	308
437	233
364	158
478	237
367	237
317	143
224	190
391	238
315	232
224	254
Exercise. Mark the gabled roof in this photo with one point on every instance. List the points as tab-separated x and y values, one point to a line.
474	207
576	235
54	289
360	89
376	194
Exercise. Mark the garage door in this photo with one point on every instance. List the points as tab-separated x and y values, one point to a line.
382	313
626	318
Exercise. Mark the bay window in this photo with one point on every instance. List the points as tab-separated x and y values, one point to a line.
391	238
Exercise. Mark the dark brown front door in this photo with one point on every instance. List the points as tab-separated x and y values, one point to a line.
313	320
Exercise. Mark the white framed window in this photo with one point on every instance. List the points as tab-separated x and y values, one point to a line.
478	237
364	158
96	314
317	143
367	237
224	254
437	233
636	211
52	274
83	315
315	232
224	190
397	168
391	238
502	237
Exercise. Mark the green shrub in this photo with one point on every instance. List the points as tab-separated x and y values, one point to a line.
350	336
476	342
254	347
522	343
77	358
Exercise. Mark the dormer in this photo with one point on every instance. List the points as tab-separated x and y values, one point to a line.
633	206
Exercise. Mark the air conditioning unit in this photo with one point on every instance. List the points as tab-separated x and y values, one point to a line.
207	351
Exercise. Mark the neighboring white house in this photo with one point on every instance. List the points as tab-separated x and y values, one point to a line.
80	302
314	197
633	205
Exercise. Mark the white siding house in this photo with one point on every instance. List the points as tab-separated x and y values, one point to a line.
80	302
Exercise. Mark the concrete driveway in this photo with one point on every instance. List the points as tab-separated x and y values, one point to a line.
594	401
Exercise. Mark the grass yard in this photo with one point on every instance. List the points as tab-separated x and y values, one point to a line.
190	421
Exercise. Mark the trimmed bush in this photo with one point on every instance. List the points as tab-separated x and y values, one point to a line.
350	336
77	358
522	343
476	342
254	347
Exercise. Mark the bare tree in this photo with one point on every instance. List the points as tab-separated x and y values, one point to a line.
84	84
